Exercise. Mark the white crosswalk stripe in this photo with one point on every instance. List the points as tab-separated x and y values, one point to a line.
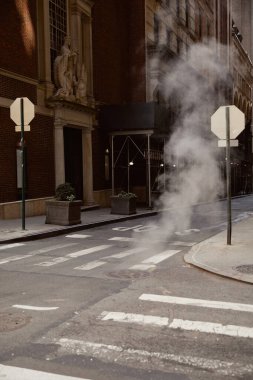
150	359
91	265
129	252
199	326
57	260
9	246
197	302
183	243
17	373
121	238
77	236
87	251
149	263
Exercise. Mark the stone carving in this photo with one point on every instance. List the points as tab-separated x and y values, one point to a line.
70	84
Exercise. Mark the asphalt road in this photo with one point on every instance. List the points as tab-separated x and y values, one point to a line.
119	302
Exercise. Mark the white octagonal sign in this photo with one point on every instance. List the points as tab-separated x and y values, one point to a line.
15	111
218	122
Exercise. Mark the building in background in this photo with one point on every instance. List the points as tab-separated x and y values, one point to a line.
101	121
47	56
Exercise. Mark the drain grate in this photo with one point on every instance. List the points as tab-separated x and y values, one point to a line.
128	274
245	269
13	321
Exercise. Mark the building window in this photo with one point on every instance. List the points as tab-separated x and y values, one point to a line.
200	23
187	13
169	38
179	46
156	29
58	27
178	8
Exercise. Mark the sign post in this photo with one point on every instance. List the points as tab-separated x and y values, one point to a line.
227	123
228	170
22	112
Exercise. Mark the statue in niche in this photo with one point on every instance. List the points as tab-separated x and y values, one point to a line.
68	85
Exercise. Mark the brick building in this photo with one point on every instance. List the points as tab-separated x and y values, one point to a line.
102	126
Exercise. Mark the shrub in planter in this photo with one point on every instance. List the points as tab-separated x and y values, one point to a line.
123	203
64	210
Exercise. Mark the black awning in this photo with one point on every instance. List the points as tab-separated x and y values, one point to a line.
136	117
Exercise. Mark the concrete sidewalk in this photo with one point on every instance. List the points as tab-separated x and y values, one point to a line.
213	254
35	227
235	260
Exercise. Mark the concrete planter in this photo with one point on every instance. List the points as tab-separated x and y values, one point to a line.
123	206
63	213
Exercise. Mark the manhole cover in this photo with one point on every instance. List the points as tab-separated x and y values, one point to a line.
13	321
245	269
128	274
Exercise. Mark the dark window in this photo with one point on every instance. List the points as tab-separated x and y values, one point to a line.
200	23
178	8
187	13
58	27
156	28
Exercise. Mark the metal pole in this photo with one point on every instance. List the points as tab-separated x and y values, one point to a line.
164	175
23	161
112	165
228	167
149	177
128	177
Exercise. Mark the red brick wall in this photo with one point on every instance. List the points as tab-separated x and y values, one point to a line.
18	37
40	158
11	88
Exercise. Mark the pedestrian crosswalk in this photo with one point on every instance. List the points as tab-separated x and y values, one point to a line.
143	330
17	373
136	258
165	332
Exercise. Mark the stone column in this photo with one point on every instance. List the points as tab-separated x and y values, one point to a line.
87	168
59	152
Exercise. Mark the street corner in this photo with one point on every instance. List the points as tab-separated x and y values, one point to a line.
220	259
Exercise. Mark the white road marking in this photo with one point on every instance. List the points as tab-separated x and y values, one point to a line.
121	238
148	267
34	253
12	373
88	251
160	257
197	302
91	265
8	246
149	264
206	327
126	253
57	260
213	328
186	232
149	360
78	236
134	318
53	248
13	258
183	243
37	308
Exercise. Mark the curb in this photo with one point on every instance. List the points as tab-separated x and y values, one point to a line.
228	273
80	227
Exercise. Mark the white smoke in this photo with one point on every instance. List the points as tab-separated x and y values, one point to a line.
191	154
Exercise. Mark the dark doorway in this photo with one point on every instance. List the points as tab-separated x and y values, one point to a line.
73	159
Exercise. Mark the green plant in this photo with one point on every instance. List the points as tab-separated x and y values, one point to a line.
123	194
65	192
